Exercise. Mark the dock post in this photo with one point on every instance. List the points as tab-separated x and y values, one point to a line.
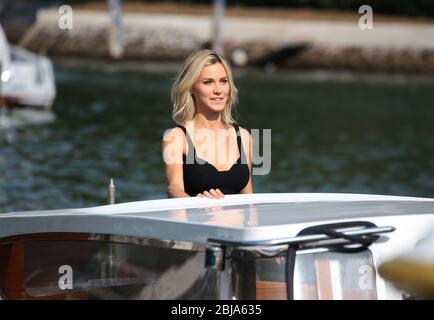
116	37
217	26
111	192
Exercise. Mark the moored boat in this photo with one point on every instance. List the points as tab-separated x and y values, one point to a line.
27	87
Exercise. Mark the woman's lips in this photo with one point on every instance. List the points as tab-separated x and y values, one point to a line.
219	99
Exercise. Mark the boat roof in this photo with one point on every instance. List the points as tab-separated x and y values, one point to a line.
237	218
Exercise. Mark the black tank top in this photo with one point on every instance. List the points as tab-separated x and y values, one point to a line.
200	175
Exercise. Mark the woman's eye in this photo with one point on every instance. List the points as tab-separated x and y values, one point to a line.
207	82
223	81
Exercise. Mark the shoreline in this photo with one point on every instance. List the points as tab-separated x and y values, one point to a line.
271	43
109	65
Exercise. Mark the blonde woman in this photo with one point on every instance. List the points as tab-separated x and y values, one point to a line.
207	154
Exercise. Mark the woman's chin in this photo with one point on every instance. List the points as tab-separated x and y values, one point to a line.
212	107
217	107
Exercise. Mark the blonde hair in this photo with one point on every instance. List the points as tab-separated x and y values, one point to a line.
183	103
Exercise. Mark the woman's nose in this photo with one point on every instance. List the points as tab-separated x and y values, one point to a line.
217	89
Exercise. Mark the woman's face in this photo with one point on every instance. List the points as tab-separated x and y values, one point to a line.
212	89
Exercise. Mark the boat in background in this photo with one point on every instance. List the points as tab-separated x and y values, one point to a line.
254	246
27	86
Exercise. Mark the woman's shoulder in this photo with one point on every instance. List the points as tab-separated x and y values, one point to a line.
246	139
175	137
175	132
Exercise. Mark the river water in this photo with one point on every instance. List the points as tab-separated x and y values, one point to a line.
331	132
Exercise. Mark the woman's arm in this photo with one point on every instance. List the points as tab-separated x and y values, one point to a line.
172	149
246	140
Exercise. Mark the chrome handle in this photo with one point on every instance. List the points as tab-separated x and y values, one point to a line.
302	239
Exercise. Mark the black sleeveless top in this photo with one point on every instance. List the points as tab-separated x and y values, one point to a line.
200	175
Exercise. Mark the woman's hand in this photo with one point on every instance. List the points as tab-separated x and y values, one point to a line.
211	194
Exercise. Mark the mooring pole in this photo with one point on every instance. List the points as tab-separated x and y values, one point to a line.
111	192
116	40
217	26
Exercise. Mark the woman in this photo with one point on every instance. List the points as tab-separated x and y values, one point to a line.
207	154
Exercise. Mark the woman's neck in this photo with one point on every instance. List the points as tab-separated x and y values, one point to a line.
202	121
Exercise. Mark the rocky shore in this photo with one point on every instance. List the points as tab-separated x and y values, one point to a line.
281	43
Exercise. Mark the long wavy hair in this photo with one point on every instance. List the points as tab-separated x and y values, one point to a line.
183	102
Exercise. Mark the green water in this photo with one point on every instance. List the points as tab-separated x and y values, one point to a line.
330	133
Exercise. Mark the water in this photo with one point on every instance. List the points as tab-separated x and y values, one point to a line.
330	133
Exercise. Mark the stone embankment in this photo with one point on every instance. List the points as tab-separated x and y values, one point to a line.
300	44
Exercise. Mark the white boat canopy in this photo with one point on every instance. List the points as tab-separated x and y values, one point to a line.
235	218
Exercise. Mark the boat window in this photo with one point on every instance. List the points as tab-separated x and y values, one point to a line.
335	275
68	269
319	274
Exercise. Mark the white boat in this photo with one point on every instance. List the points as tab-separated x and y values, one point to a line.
257	246
27	79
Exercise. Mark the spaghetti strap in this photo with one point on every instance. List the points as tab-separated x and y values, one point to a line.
237	130
189	141
242	158
182	128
